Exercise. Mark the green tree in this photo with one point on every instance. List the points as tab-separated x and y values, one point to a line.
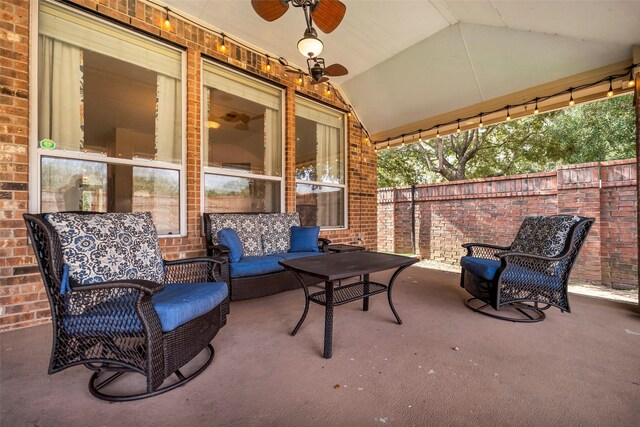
598	131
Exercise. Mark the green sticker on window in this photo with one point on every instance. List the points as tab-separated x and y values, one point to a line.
48	144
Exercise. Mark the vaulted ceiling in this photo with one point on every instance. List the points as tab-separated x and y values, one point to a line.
409	60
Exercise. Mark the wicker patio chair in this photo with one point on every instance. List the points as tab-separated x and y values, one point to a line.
125	324
529	276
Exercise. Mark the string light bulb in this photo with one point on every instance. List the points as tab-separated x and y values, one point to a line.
508	114
268	67
632	80
535	110
437	131
571	101
167	23
458	130
480	124
223	47
328	89
610	92
420	137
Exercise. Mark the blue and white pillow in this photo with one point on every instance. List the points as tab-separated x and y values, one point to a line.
247	226
111	246
276	231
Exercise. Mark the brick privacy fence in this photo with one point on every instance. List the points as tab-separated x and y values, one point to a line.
491	210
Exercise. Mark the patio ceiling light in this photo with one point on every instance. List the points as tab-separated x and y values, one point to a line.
310	45
167	23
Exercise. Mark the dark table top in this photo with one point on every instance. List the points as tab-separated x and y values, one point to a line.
349	264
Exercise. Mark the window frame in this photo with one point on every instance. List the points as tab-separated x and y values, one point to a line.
36	152
214	170
345	158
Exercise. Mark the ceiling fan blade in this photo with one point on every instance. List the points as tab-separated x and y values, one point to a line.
328	14
269	10
322	80
336	70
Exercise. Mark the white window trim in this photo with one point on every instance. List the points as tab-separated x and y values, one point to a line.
345	159
213	170
36	153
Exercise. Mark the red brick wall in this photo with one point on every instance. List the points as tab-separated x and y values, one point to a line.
491	211
23	301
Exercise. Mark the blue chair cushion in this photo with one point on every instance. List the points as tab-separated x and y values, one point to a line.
481	267
294	255
304	239
229	238
176	304
255	265
179	303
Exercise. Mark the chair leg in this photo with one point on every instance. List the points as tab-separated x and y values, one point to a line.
95	388
521	312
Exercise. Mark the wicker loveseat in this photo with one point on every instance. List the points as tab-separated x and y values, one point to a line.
118	307
266	240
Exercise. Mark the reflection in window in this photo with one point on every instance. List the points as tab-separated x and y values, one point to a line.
242	134
242	152
320	205
95	103
78	185
320	165
318	152
236	194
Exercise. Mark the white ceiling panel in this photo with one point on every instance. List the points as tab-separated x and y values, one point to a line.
476	12
421	81
506	61
607	21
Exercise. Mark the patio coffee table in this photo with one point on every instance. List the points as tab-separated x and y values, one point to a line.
332	269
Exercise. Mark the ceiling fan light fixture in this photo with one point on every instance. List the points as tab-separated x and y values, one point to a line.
310	45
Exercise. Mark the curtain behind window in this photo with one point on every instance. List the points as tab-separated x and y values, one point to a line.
60	109
168	119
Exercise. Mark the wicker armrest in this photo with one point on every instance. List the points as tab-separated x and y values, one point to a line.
508	255
550	266
199	269
483	250
323	244
144	286
220	250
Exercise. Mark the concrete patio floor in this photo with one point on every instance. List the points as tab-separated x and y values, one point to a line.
572	369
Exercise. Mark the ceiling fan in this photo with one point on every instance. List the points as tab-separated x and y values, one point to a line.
326	13
319	72
241	119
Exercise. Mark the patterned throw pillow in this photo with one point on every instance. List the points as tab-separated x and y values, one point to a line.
276	231
110	246
247	226
545	236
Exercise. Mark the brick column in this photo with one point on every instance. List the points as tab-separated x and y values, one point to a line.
385	220
579	194
290	150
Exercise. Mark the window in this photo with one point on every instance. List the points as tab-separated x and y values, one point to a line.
109	119
242	148
320	165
